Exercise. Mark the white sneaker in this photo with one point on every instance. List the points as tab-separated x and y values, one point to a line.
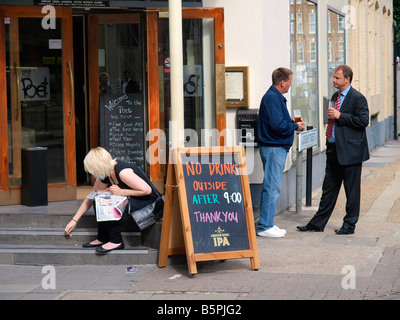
279	229
272	232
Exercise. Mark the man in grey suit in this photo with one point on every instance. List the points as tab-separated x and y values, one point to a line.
347	148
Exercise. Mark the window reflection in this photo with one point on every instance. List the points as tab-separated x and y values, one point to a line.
304	59
336	45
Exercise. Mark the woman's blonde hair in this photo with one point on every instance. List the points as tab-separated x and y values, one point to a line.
99	163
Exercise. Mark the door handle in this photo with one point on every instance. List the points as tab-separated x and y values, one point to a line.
71	76
18	93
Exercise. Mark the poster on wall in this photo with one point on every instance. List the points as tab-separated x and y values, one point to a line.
34	84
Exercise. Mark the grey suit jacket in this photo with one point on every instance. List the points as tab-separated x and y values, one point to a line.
350	134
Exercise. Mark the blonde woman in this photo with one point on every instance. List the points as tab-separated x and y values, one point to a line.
122	179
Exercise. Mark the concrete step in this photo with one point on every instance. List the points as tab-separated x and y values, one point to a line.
45	220
56	220
56	236
64	255
35	236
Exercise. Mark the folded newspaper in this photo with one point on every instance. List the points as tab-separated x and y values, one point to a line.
109	207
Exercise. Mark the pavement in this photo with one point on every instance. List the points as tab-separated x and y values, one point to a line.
300	266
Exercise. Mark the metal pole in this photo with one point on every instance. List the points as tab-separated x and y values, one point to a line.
176	55
309	173
395	84
299	180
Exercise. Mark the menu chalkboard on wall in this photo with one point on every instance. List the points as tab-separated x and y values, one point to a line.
122	127
215	210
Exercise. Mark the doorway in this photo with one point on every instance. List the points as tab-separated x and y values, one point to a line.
35	98
109	66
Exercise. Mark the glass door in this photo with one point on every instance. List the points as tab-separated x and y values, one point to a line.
204	82
39	79
116	73
35	110
199	78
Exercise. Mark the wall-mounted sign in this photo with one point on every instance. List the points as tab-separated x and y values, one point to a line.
308	139
237	86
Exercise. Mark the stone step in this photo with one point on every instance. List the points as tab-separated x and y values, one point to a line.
55	236
59	220
44	220
60	255
35	236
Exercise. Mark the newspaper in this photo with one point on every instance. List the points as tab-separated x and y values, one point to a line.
109	207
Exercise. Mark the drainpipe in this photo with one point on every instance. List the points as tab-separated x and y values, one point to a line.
176	55
395	85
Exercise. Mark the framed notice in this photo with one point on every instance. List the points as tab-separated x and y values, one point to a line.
236	86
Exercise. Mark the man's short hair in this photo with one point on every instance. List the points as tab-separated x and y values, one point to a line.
347	71
281	74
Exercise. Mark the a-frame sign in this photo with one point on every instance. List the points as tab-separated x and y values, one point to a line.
208	212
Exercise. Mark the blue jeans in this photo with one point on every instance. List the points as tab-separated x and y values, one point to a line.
273	159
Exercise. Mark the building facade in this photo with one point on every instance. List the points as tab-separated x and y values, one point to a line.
312	38
60	70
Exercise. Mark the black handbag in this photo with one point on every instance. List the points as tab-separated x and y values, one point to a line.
148	215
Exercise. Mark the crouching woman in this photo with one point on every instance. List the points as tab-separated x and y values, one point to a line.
122	178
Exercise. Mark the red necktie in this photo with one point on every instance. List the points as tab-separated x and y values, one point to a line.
331	122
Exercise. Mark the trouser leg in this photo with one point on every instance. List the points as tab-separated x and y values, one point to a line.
330	188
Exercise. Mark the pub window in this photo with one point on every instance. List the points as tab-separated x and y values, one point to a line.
304	62
313	23
341	24
313	51
337	48
300	51
299	23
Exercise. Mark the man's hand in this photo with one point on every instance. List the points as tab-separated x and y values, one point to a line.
333	114
302	126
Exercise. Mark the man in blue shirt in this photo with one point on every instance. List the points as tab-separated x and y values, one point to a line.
275	135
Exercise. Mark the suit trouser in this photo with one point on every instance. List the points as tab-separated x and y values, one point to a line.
335	174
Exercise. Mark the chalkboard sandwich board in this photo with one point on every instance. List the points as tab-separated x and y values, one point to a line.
216	215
